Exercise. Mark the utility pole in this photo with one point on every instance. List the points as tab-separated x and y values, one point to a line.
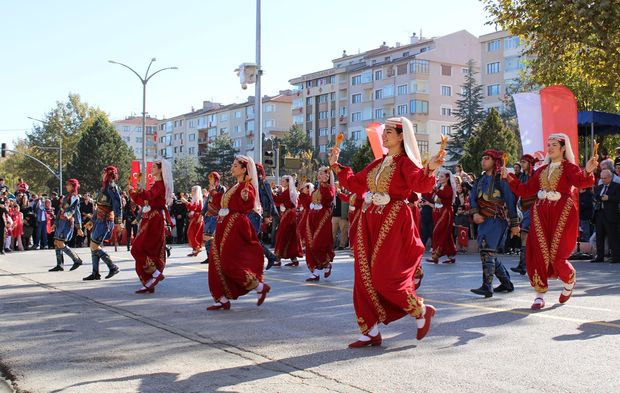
258	100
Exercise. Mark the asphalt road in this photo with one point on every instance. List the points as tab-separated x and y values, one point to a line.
61	334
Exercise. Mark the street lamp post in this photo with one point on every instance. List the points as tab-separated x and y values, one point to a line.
258	100
59	148
144	81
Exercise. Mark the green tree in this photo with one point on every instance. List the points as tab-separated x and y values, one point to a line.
100	146
219	157
185	173
469	113
67	121
362	157
296	141
347	151
491	134
574	43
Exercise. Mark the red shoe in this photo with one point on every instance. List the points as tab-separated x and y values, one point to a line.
435	261
313	278
564	298
146	290
192	254
538	306
419	283
263	294
373	342
428	315
220	306
328	271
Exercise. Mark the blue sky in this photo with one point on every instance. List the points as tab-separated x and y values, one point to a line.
51	48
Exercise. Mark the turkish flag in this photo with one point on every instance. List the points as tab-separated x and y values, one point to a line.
374	131
463	235
135	171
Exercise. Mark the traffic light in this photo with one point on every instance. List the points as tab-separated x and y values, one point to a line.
268	159
281	154
3	150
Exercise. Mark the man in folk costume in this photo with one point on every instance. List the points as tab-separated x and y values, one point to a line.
527	163
555	221
69	217
268	212
387	246
109	216
494	207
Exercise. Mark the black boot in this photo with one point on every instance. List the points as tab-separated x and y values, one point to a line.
488	270
60	260
77	262
168	249
504	277
521	266
114	270
93	276
270	263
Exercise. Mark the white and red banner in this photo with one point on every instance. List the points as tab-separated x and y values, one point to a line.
541	113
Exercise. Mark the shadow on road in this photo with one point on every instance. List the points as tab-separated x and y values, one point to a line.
590	331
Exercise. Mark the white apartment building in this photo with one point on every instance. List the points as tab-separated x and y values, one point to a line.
419	80
130	130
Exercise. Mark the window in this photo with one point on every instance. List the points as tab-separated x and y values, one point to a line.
323	99
513	63
298	119
356	135
387	58
249	111
138	151
419	86
223	130
401	69
465	71
270	108
309	100
125	128
180	123
367	76
334	129
512	42
236	129
176	137
401	110
237	115
323	115
446	91
356	98
419	67
343	111
378	94
446	130
402	90
224	117
323	131
332	113
388	91
192	150
236	143
270	123
379	113
446	110
191	137
446	70
405	54
418	106
493	46
367	114
298	103
323	148
493	68
212	132
139	139
175	150
127	139
423	146
332	96
356	116
356	80
138	129
492	90
378	75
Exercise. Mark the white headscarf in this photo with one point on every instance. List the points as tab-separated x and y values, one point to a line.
310	187
568	154
409	139
452	183
332	179
251	167
166	176
293	194
197	195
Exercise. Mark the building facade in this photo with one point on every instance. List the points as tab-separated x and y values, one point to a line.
420	81
502	61
130	130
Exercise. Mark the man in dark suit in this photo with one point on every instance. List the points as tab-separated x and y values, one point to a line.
606	217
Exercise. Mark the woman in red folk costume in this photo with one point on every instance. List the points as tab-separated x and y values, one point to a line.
443	217
318	233
554	218
236	256
195	228
149	246
387	247
304	202
288	245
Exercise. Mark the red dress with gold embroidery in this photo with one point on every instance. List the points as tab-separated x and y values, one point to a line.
236	253
149	247
443	219
196	226
554	222
318	233
304	202
387	246
288	244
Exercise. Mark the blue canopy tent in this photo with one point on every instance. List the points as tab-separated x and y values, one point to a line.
597	123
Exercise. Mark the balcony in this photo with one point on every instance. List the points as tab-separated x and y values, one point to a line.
343	120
